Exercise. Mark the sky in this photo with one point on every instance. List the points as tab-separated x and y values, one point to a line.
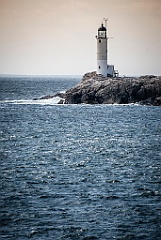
57	37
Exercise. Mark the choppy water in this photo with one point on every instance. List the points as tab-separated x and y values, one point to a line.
77	171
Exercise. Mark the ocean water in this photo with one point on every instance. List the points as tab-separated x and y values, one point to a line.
80	172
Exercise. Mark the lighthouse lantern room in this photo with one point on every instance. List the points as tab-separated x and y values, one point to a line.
102	53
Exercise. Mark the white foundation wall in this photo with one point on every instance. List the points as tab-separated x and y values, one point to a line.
102	67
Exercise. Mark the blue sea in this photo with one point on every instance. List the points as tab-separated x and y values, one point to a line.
76	172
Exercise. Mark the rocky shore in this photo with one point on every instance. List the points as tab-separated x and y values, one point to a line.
96	89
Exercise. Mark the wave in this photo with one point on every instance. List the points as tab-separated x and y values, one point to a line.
56	100
50	101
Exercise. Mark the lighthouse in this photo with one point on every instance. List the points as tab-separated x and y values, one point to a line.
102	54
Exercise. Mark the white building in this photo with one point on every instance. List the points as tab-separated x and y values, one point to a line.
102	54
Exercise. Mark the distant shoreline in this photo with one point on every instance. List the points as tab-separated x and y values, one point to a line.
19	75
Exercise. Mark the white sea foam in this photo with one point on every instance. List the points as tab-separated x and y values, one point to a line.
55	100
50	101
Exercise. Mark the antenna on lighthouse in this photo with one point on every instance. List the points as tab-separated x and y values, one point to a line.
105	20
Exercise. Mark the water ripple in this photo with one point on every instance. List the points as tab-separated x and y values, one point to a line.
80	172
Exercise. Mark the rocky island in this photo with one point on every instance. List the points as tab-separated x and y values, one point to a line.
97	89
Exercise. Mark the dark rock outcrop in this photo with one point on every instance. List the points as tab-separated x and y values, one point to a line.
96	89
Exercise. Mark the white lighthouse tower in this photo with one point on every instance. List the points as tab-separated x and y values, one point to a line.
102	54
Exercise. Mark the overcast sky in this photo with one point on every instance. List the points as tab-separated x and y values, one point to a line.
58	36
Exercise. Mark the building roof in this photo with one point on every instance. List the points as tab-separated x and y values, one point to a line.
102	28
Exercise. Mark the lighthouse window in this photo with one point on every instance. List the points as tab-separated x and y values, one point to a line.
99	41
99	67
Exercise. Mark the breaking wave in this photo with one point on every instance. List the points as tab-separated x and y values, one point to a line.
51	101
